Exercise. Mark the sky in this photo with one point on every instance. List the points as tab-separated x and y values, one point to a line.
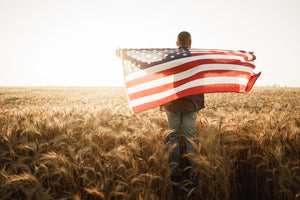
73	42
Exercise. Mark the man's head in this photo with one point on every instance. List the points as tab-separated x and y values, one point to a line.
184	39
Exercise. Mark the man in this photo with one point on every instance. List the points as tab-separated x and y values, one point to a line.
182	112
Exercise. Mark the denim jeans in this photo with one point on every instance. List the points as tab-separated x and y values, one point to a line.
188	122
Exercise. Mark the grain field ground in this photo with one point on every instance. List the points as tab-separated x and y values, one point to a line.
83	143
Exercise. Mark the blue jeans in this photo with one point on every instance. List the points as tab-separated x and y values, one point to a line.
188	122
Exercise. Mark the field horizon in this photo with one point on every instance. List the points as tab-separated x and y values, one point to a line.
84	143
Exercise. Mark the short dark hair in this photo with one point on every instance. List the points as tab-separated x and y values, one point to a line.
184	39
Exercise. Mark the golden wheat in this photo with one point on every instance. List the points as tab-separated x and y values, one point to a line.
84	143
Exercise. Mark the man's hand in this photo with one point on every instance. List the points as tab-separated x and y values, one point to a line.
254	57
118	53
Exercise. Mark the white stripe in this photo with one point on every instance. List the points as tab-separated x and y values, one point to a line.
246	53
173	63
186	74
198	82
220	50
214	51
209	51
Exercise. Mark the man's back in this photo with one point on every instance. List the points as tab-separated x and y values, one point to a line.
186	104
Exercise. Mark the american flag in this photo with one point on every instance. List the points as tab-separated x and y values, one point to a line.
154	77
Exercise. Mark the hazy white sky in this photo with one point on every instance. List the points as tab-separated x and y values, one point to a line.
73	42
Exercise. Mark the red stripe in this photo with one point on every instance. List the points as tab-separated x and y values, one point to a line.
191	91
242	54
184	67
206	74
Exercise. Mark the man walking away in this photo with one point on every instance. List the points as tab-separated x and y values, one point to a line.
182	112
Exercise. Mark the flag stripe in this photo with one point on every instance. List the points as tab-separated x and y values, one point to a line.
174	63
197	82
216	69
163	85
248	56
185	70
190	91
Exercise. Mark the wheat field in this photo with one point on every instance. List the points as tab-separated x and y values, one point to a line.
84	143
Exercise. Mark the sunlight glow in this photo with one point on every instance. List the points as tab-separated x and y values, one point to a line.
73	43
